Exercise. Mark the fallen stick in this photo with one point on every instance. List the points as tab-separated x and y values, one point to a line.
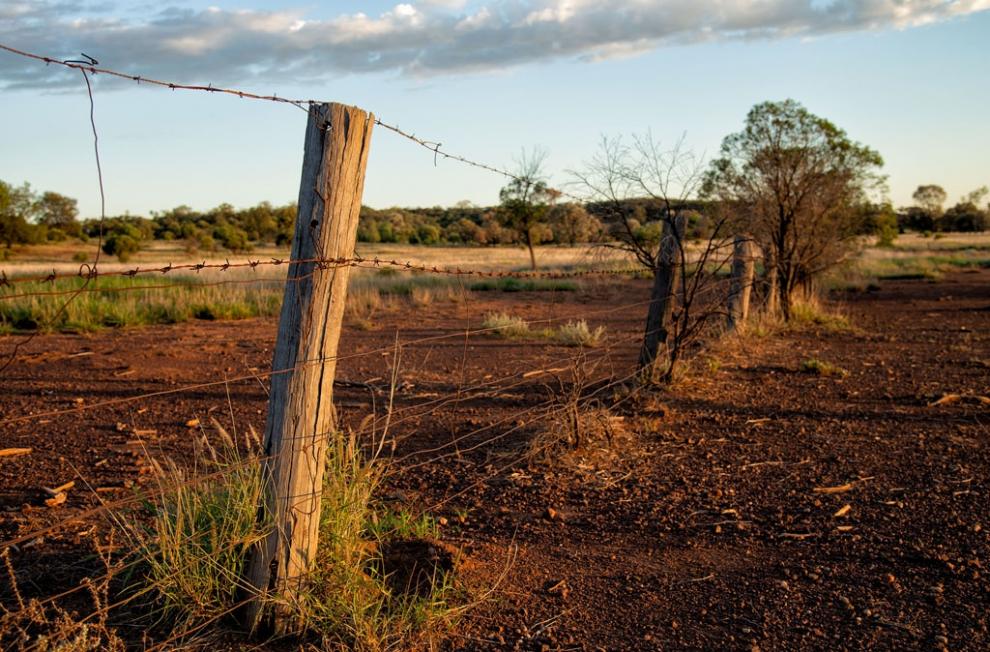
798	535
14	452
842	488
755	464
60	489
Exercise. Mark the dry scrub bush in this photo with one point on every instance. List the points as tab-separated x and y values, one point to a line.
579	421
506	325
573	333
41	627
577	333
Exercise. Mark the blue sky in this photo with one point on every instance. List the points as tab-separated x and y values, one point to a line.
485	78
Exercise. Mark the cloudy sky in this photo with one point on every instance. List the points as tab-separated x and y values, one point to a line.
485	78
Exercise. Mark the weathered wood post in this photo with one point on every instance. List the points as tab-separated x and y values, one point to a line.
300	409
772	283
654	353
741	281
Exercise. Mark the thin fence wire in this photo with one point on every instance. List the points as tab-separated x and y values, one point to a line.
276	372
431	145
299	270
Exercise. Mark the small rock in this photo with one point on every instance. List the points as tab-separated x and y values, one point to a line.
553	515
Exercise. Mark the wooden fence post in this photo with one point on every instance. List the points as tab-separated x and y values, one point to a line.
300	409
772	283
741	282
665	278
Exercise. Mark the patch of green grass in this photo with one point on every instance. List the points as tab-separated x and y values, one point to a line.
201	534
822	368
511	284
115	302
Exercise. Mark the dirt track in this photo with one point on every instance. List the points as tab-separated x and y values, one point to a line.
701	530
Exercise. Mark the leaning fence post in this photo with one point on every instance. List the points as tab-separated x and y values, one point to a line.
300	409
653	353
741	282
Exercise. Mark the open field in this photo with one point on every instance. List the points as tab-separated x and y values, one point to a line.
799	489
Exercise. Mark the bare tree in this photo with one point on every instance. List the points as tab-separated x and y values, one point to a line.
619	173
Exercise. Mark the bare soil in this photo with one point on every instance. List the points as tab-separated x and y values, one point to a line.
755	506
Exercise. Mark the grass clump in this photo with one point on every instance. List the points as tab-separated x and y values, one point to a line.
822	368
115	302
573	333
362	305
508	326
200	535
578	333
360	594
810	313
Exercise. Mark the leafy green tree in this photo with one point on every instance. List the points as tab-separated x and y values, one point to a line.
571	224
879	219
930	198
122	244
526	201
967	214
16	210
57	211
795	180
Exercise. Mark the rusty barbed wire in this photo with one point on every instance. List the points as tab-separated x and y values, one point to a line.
299	365
103	216
89	272
429	145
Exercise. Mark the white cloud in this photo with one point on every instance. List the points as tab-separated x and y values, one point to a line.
429	37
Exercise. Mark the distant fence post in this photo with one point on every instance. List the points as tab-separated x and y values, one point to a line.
665	276
300	409
772	283
741	282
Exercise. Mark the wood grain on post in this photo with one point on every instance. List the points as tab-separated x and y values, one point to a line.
741	282
665	276
300	409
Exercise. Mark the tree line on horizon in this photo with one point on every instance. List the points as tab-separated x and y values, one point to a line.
27	217
529	211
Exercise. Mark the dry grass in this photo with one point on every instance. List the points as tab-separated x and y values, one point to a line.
578	333
508	326
573	333
822	368
40	627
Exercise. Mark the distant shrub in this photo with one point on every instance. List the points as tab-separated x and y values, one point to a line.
121	245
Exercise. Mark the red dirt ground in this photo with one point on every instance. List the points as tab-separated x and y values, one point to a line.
698	530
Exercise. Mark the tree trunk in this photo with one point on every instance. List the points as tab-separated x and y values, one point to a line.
654	355
300	408
532	253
